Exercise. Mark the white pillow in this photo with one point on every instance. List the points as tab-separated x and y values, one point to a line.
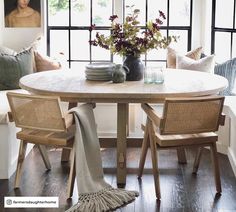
172	53
6	50
205	64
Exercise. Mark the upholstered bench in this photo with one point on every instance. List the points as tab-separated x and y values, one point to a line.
8	144
230	111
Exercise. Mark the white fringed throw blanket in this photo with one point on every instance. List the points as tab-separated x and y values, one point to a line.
95	195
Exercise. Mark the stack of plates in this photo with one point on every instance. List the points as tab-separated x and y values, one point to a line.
99	71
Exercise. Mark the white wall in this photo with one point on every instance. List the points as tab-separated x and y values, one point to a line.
1	22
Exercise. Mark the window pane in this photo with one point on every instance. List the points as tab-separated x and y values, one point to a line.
234	46
102	10
79	45
222	46
224	13
80	13
235	17
179	13
156	64
99	53
58	13
153	9
79	66
59	43
182	43
137	5
155	54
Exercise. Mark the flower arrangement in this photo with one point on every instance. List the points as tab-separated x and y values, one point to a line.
126	39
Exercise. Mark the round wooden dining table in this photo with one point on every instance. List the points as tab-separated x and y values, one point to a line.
72	86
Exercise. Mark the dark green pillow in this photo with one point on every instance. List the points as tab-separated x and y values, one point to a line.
12	68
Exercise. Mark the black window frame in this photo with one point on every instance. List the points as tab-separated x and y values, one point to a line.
215	29
168	27
70	28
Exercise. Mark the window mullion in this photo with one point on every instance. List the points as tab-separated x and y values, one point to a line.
90	32
234	15
69	35
118	8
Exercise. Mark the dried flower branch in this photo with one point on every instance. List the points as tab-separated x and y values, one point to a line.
127	38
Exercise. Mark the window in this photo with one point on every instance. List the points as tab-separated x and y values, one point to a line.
223	29
68	25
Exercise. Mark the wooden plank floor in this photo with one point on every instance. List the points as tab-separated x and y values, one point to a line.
181	191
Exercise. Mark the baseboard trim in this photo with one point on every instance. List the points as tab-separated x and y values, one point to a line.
222	148
7	173
232	160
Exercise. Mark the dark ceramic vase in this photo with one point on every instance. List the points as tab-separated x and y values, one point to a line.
136	68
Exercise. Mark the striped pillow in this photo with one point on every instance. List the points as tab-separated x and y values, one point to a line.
227	70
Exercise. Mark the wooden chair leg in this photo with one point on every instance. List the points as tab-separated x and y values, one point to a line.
71	179
154	155
144	150
197	160
43	152
21	157
216	169
65	155
181	153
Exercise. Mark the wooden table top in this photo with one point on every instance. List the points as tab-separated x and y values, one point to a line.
71	85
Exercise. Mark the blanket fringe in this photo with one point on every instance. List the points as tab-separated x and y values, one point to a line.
105	200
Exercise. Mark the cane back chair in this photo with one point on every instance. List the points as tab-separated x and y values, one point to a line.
42	123
184	122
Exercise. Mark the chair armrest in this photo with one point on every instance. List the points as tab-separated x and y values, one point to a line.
69	120
222	119
151	114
